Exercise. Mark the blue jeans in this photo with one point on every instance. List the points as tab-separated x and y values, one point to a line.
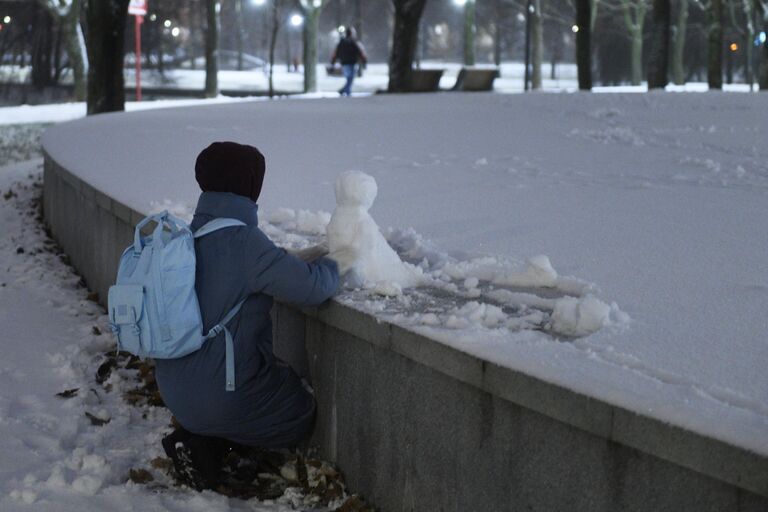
349	73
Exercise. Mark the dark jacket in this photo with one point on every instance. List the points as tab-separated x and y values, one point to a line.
269	407
348	51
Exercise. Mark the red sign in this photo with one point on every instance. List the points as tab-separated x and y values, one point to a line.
138	7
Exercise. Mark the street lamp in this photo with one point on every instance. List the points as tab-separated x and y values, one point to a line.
7	20
296	20
258	3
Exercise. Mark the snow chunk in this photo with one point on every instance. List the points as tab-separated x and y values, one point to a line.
579	317
538	273
357	244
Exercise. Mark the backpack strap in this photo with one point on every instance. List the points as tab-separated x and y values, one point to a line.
229	345
208	228
216	224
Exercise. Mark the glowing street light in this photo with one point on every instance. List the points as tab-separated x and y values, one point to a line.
459	3
575	29
7	20
297	20
761	38
153	17
258	3
176	31
167	23
734	47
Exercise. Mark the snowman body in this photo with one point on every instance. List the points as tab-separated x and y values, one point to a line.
355	240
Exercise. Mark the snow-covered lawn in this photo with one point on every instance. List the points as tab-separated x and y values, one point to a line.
653	202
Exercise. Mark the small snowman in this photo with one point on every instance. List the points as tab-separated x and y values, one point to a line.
356	243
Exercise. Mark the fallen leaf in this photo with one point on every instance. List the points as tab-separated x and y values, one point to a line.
96	421
69	393
140	476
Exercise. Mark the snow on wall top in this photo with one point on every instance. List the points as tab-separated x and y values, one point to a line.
658	199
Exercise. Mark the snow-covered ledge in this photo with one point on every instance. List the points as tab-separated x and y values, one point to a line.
418	425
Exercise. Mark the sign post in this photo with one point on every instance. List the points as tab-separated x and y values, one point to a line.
138	8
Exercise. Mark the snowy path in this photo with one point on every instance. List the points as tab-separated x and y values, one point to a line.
52	458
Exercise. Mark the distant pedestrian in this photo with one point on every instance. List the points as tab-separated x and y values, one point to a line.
349	52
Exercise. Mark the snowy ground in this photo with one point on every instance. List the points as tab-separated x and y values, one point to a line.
654	202
73	452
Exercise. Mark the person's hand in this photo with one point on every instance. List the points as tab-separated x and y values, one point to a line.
345	258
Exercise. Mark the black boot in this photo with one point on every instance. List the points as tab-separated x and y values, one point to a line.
197	459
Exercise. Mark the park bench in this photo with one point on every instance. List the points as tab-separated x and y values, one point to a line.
476	79
425	80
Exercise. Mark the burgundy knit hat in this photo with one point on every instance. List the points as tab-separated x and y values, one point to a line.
230	167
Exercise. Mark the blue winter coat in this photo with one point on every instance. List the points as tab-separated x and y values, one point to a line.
269	407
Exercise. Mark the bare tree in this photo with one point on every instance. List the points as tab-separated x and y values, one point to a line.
404	40
311	10
763	78
469	33
67	15
714	19
583	27
212	48
276	10
634	12
744	24
537	45
106	20
678	42
658	58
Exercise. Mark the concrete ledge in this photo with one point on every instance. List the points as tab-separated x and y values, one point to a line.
418	425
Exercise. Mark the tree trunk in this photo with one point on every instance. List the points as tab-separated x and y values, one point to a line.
211	48
106	20
404	40
42	48
75	43
763	79
309	53
72	34
239	33
678	44
583	44
715	44
658	58
637	57
469	33
275	28
749	40
496	23
635	28
537	46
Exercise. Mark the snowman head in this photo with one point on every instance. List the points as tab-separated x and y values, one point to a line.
355	188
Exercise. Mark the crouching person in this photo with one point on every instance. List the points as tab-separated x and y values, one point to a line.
268	407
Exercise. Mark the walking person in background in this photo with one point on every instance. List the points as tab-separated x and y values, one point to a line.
349	52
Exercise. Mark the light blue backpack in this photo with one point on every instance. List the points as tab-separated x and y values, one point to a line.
153	307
